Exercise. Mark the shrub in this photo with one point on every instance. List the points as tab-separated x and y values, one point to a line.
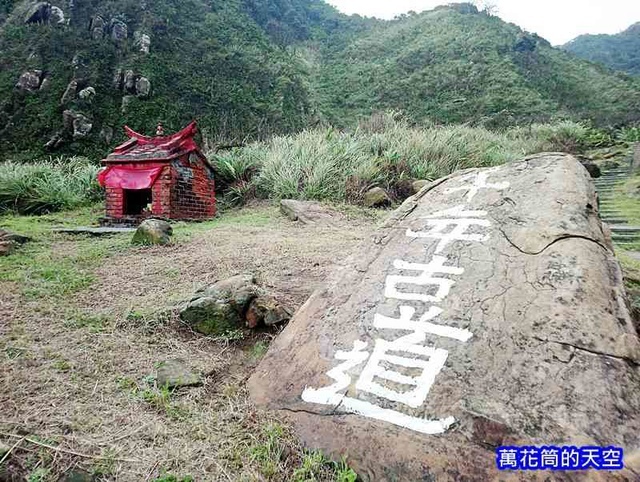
327	164
47	186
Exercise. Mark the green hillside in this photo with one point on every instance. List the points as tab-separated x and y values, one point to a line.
619	52
459	65
253	68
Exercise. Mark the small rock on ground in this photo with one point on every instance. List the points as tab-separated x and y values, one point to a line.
307	212
176	373
376	198
267	311
153	231
220	307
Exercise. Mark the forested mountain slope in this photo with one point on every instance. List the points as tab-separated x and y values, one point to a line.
619	52
72	73
455	64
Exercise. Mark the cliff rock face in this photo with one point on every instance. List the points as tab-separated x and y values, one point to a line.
488	310
205	60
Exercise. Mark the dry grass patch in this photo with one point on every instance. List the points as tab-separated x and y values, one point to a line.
79	359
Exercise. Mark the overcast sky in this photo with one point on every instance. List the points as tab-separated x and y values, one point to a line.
556	20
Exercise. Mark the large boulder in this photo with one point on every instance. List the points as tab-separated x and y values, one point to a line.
78	124
153	231
143	87
221	307
30	80
118	30
307	212
376	198
142	41
129	81
488	310
38	13
87	94
70	93
97	27
57	16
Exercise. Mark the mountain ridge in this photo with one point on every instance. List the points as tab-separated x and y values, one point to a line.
71	76
619	51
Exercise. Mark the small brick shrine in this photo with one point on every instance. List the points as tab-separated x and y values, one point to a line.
160	176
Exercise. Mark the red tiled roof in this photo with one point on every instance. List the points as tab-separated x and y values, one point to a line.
144	148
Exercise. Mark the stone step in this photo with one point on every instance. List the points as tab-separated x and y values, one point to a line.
611	220
625	229
94	231
629	238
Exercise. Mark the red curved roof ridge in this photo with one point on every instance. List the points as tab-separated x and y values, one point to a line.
146	149
167	141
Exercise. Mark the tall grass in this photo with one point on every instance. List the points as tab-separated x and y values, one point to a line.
48	186
326	164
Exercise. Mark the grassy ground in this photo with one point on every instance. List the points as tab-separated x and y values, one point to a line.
85	321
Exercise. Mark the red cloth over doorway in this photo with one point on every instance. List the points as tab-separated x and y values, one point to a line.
129	177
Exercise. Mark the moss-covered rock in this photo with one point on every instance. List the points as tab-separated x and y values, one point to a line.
376	198
153	231
220	307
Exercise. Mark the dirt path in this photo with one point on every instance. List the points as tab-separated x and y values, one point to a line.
79	350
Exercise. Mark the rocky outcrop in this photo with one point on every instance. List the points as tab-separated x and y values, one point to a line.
131	83
142	87
142	41
69	93
30	81
488	310
87	94
153	231
76	123
118	30
97	27
44	12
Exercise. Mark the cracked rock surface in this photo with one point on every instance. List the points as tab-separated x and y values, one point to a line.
553	360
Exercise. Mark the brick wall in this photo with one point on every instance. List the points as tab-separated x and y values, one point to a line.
184	190
114	202
161	194
193	189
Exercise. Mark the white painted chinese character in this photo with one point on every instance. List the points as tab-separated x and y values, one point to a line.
458	220
549	458
479	182
353	358
590	457
507	458
569	458
330	396
612	458
385	353
529	458
425	278
423	325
